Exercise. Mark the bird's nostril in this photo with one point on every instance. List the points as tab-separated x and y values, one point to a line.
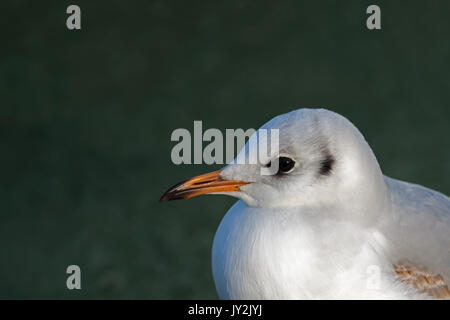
202	182
206	181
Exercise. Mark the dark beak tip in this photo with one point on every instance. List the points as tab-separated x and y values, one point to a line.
167	197
170	196
171	193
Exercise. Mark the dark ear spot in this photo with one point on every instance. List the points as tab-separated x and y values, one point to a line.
326	165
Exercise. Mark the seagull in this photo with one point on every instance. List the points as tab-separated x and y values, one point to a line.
327	224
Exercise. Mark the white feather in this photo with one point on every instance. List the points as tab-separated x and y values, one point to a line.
311	236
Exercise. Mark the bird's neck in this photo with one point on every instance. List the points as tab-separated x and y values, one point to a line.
286	254
363	193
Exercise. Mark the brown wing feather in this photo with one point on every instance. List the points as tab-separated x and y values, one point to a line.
425	281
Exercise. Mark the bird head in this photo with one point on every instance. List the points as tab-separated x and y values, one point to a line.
320	159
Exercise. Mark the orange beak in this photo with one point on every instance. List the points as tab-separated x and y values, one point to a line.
203	184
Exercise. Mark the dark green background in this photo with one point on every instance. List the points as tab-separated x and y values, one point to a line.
86	118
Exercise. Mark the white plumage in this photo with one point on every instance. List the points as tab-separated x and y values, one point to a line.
310	236
332	228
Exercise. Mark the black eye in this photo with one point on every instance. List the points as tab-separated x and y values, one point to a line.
285	164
